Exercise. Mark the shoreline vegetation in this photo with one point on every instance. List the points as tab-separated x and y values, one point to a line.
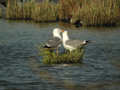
78	12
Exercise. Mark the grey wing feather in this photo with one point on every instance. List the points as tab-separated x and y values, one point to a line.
54	42
75	43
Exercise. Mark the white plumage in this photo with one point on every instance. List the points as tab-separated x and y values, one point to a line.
72	44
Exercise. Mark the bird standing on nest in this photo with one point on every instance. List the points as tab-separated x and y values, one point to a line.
55	41
72	44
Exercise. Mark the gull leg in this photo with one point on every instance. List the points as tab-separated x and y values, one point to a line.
57	51
70	52
67	51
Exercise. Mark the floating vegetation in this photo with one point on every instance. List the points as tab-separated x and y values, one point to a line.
50	57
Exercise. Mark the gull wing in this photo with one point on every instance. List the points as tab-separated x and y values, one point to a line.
53	42
75	43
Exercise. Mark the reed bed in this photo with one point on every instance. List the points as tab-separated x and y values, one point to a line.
19	11
85	12
91	13
45	11
28	10
100	13
49	57
67	8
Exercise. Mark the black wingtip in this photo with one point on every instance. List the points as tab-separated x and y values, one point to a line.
46	46
90	41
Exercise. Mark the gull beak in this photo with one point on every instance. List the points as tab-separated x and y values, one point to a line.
62	30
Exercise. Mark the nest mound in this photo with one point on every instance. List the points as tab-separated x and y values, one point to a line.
50	57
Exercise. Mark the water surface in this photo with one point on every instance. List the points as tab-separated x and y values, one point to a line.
21	67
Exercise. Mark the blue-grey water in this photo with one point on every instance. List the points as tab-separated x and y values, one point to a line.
21	67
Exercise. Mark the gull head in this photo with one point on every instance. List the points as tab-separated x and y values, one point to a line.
57	32
65	33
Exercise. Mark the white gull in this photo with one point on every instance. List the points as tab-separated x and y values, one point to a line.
55	41
72	44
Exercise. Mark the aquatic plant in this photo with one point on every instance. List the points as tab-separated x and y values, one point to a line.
50	57
66	7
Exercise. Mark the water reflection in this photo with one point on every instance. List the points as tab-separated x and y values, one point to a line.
45	75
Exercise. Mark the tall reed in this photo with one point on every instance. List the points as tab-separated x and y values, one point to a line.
66	8
11	9
86	12
17	10
45	11
104	12
91	12
27	10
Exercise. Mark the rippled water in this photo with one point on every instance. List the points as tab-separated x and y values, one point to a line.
21	67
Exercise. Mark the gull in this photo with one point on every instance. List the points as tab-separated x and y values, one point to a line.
72	44
55	41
